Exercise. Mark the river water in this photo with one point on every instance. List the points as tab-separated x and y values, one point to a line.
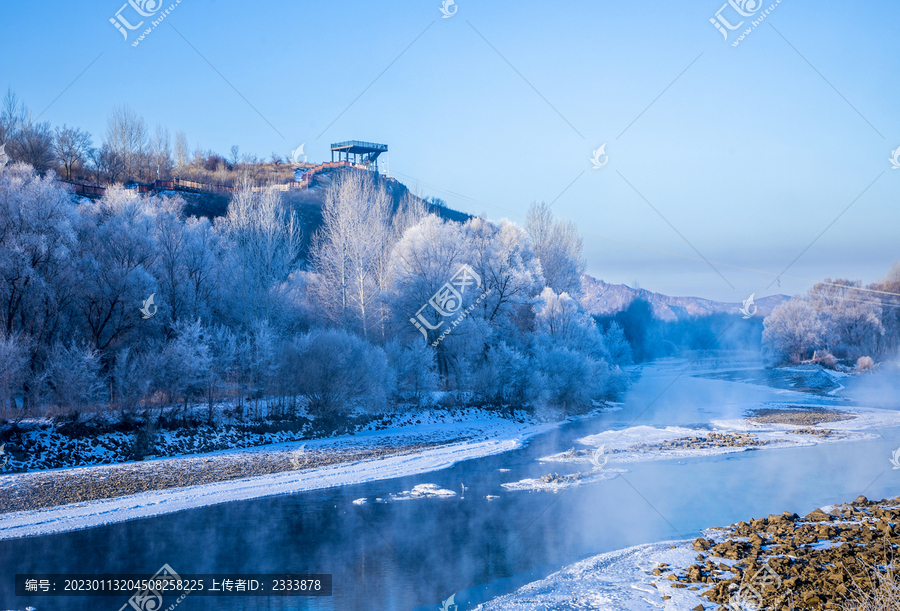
414	554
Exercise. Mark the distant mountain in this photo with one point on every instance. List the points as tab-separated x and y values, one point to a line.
600	298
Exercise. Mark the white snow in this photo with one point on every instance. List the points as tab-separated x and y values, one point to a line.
617	443
616	581
535	485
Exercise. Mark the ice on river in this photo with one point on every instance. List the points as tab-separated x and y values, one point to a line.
622	580
421	491
556	482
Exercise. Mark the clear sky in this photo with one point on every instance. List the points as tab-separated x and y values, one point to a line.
742	154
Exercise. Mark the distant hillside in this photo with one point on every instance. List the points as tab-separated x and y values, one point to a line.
600	298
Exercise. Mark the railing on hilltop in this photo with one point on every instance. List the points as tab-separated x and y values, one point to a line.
190	186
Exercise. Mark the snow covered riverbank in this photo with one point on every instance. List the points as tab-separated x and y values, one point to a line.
622	580
484	434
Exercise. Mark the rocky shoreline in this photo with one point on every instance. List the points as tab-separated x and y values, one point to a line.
787	562
41	490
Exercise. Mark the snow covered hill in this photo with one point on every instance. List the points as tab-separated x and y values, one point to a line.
600	298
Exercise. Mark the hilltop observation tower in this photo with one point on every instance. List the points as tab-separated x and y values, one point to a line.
356	152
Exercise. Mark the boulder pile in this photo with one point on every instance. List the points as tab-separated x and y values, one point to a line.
788	562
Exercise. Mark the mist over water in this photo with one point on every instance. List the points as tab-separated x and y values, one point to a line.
414	554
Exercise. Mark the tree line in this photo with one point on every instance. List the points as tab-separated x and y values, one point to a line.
835	320
129	151
245	317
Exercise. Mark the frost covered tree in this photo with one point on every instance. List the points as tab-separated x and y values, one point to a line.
116	256
350	253
187	361
415	370
74	274
337	371
561	319
73	376
889	294
838	317
502	256
792	331
620	352
263	362
14	352
188	266
509	376
223	365
423	260
264	240
558	246
851	317
37	239
134	376
571	353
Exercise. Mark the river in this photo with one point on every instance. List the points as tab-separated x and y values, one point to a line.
414	554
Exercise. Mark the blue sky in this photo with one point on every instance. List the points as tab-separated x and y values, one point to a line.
742	154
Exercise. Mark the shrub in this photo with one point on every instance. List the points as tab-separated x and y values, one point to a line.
878	591
507	376
825	359
73	376
13	361
415	369
144	443
865	363
338	371
573	380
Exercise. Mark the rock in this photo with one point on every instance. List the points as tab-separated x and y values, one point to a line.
702	545
817	515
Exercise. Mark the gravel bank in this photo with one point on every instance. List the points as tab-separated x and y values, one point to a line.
50	489
800	416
